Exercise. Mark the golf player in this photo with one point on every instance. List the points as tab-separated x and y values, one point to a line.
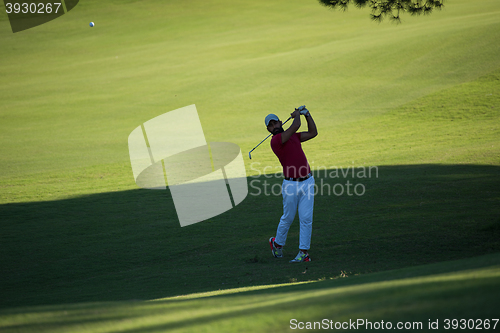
298	184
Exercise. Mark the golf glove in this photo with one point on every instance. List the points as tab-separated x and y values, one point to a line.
303	110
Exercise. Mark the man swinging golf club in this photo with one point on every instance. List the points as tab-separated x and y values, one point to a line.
298	185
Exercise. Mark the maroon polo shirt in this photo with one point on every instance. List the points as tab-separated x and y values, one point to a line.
291	156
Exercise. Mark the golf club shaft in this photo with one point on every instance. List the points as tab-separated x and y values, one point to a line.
250	156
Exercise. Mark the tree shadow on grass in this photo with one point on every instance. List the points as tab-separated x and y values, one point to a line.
129	245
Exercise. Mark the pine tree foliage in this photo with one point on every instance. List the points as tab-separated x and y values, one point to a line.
389	8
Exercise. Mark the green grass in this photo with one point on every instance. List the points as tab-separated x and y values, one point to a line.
413	296
72	105
83	249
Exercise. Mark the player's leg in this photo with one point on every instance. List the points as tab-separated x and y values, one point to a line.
305	207
290	202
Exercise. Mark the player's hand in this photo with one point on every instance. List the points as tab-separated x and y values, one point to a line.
303	110
295	113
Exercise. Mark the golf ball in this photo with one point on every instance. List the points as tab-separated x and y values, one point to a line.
91	24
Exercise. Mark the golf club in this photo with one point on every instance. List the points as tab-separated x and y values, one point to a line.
250	152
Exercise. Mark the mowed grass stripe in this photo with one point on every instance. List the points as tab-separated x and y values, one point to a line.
75	104
458	125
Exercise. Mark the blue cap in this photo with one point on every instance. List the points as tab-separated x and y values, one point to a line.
270	117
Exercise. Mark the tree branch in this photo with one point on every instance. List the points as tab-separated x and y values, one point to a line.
391	8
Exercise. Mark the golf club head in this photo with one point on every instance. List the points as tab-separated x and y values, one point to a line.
250	155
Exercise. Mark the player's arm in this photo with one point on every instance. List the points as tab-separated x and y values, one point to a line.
293	128
312	131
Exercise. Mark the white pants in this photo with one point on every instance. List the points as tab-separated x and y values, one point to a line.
297	195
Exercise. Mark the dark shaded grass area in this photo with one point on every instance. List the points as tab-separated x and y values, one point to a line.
414	296
129	245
